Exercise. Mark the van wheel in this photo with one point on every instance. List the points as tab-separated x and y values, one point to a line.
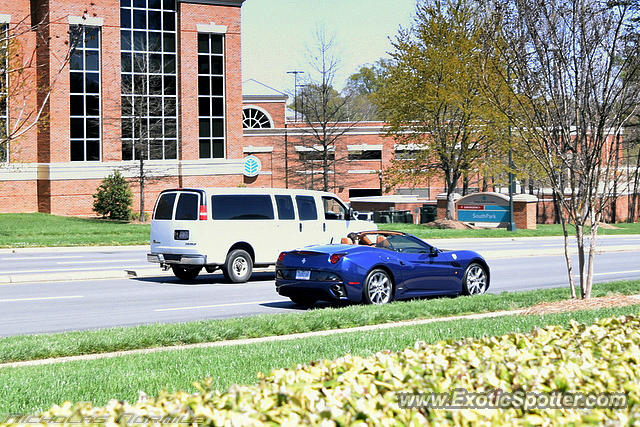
238	267
185	273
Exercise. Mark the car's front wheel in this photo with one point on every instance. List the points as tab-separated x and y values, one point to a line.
378	287
238	267
185	273
475	281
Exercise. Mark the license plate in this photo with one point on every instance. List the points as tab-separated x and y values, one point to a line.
303	274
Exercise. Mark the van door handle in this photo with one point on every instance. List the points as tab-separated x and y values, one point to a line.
324	226
300	227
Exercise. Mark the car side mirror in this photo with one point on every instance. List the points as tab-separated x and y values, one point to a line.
434	251
351	214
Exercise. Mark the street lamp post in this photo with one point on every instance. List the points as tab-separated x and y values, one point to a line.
295	90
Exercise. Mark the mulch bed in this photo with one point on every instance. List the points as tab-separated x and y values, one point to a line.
583	304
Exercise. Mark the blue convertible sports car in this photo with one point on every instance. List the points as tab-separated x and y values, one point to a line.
376	267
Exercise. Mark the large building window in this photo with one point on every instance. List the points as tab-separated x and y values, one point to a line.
149	79
4	93
252	118
84	88
211	95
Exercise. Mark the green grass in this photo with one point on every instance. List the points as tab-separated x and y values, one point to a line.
542	230
29	347
29	389
38	229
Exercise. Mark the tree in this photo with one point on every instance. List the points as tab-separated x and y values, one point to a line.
18	70
361	87
572	63
324	113
113	198
431	97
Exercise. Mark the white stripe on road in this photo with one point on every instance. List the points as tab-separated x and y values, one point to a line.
217	305
41	298
38	258
617	272
94	261
128	267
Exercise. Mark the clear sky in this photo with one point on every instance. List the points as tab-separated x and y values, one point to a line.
277	34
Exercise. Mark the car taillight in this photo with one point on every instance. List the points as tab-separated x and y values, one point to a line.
333	259
203	212
281	256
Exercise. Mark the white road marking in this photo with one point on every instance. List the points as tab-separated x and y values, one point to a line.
217	305
617	272
38	258
41	298
94	261
73	269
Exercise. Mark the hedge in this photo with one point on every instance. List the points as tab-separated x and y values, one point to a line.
600	358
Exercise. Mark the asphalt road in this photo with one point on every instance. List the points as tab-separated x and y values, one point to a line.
45	306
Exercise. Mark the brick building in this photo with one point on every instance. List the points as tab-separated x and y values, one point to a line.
169	71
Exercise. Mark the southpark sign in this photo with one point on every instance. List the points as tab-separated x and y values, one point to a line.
483	207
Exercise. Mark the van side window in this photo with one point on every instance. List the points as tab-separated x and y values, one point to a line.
242	207
164	210
188	206
285	207
306	208
333	209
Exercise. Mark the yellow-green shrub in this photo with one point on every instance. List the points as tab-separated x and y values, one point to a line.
603	357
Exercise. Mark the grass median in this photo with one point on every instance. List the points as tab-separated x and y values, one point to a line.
38	229
34	388
31	347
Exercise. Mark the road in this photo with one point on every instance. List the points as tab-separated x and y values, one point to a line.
45	306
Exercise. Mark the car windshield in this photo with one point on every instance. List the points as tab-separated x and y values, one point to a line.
405	244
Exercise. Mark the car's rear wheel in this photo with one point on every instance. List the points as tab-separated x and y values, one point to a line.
303	301
475	281
238	266
185	273
378	287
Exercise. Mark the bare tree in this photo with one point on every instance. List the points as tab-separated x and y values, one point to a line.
19	113
572	64
324	112
142	129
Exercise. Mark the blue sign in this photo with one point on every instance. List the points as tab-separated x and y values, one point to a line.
487	215
252	166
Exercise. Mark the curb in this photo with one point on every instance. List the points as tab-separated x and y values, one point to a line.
39	362
73	249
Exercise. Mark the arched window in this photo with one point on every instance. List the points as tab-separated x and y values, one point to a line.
252	118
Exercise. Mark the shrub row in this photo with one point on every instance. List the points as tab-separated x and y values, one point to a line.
600	358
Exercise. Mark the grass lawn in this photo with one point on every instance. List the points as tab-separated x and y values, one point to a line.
542	230
29	389
29	347
38	229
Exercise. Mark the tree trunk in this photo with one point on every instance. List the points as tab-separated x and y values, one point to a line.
567	254
592	254
580	243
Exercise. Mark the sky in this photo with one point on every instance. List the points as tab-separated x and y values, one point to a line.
277	35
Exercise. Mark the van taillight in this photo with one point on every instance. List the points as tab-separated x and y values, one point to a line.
203	212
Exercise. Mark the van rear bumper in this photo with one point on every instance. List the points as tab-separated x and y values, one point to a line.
177	259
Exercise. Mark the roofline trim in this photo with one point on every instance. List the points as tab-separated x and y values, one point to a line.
236	3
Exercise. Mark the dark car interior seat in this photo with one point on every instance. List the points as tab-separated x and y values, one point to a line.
364	240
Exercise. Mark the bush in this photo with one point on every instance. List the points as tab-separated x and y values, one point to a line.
603	357
135	216
113	198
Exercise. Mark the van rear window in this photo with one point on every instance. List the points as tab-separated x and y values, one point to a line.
241	207
164	210
188	207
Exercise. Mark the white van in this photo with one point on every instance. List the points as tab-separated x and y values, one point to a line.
235	229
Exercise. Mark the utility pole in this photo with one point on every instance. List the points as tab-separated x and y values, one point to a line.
512	224
295	90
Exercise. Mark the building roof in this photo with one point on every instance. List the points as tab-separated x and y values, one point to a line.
255	90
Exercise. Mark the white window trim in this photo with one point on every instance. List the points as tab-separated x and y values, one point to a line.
211	28
4	18
263	111
411	147
365	147
92	21
316	148
256	149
